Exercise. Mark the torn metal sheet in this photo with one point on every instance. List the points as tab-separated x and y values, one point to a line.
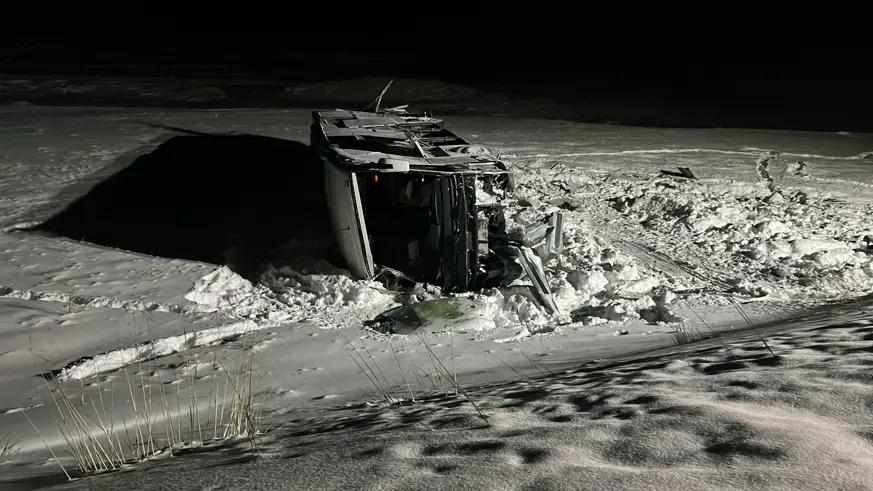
684	172
533	268
546	237
554	243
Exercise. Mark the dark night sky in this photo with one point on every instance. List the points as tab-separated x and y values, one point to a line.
696	62
697	73
655	66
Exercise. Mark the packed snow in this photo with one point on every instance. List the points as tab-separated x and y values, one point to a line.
774	230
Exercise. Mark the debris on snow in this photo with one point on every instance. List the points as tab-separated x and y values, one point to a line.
684	172
710	236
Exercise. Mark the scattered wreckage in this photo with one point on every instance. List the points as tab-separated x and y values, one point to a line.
412	202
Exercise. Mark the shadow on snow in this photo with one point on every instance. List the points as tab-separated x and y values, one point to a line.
222	199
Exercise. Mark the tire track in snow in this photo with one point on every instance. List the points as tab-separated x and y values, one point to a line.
665	264
119	358
245	307
654	151
112	360
86	301
778	154
746	151
750	151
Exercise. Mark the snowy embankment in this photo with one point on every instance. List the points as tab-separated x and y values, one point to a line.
710	416
776	223
728	242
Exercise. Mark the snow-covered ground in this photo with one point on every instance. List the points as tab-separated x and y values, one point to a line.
707	416
775	228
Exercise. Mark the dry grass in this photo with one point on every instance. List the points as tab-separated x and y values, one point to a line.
105	431
8	448
685	334
443	380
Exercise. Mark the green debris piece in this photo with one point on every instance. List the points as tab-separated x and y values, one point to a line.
440	308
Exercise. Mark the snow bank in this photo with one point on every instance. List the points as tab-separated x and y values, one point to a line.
723	415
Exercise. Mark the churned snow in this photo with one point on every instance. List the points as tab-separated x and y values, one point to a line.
775	227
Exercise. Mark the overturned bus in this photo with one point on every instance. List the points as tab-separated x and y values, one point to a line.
411	200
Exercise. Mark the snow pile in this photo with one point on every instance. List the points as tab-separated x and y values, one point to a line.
507	308
632	246
598	283
714	236
329	300
786	241
592	281
284	295
225	292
